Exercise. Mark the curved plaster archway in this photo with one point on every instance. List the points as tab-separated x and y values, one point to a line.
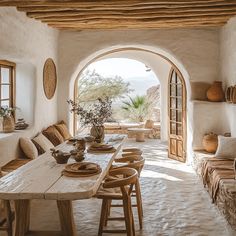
107	52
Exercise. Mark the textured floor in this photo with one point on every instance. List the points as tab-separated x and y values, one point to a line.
174	200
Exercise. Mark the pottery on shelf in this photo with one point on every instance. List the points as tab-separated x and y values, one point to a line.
215	93
233	94
210	142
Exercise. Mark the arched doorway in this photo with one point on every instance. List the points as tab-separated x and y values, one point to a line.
177	116
133	87
156	53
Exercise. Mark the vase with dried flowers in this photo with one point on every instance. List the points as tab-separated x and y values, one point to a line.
8	124
94	115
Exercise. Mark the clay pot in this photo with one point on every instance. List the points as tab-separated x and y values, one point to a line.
235	168
8	124
229	94
233	95
215	93
149	124
98	133
210	142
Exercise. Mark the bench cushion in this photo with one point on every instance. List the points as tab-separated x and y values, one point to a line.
42	143
226	147
28	148
53	135
63	130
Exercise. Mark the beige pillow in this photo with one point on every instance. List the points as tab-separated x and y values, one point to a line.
226	147
43	144
199	90
28	148
63	130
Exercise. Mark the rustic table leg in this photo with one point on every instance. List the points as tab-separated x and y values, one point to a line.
140	137
22	214
66	218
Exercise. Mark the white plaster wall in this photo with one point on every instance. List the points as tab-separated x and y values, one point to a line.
194	51
228	67
29	42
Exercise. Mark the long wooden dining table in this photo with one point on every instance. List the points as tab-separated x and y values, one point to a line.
42	178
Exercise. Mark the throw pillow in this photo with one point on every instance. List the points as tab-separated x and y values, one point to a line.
226	147
63	130
28	148
53	135
42	143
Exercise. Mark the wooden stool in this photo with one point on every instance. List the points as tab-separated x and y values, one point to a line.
6	216
136	162
124	179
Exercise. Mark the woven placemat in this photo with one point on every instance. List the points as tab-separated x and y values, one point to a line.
83	169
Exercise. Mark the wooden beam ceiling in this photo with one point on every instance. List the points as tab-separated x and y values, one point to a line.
128	14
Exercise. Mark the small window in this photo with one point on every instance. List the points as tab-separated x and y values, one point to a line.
7	83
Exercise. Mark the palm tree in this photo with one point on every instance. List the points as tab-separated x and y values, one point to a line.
137	108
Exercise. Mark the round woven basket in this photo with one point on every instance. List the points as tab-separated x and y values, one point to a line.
49	78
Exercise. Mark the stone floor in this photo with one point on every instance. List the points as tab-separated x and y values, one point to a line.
175	202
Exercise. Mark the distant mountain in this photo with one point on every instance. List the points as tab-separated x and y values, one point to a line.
141	84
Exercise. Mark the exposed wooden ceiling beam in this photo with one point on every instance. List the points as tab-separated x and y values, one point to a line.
199	24
86	3
66	15
132	14
127	7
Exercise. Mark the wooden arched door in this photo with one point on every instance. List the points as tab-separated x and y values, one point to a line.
177	116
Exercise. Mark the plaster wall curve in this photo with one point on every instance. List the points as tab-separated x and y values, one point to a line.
28	43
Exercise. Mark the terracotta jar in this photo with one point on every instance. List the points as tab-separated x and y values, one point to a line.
149	124
215	93
210	142
8	124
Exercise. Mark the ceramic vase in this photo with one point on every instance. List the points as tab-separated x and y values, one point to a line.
8	124
98	133
215	93
149	124
210	142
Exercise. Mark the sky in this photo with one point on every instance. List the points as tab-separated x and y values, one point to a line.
131	71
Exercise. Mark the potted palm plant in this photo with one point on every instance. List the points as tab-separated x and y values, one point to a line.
8	123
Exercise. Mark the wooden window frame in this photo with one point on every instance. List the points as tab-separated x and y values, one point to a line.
12	83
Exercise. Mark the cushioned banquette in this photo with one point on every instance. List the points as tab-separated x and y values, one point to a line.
31	148
218	176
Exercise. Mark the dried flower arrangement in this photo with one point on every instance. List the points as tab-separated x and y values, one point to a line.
95	115
6	111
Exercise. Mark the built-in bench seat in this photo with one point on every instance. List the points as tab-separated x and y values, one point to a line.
219	178
28	149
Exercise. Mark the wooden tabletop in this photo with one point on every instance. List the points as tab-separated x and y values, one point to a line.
42	178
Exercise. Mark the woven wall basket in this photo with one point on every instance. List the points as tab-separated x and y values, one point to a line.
49	78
